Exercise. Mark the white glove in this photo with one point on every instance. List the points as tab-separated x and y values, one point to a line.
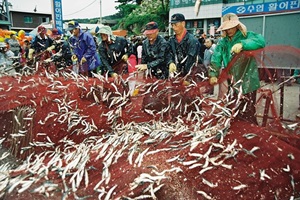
172	67
74	58
141	67
237	48
50	48
48	60
114	75
213	80
125	57
83	60
30	52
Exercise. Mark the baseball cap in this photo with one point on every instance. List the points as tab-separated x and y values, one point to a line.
150	28
41	29
178	17
55	32
72	25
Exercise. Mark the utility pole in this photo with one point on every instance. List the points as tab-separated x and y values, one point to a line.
100	12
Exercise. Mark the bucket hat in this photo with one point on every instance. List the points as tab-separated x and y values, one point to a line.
231	20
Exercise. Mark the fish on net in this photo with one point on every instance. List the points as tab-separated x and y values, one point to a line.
80	137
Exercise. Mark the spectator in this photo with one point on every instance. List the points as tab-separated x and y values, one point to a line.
6	61
201	40
296	78
114	52
235	39
139	50
14	45
210	48
84	49
155	52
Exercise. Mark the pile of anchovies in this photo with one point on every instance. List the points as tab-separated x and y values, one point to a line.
134	144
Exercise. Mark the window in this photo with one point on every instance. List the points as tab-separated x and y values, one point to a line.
44	19
28	20
189	24
215	21
200	23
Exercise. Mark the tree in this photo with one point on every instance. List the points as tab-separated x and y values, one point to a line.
149	10
138	2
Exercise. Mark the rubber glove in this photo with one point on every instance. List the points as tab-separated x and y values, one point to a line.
83	60
114	75
172	67
141	67
213	80
50	48
186	83
237	48
48	60
125	57
30	52
74	58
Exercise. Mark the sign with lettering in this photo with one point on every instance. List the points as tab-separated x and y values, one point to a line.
58	19
191	3
251	9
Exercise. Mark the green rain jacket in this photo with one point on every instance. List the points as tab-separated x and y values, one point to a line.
245	68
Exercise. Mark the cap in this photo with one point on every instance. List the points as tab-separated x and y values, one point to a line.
178	17
55	32
150	28
41	29
72	25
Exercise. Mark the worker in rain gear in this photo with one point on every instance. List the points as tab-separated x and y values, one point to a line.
84	49
235	39
41	43
112	50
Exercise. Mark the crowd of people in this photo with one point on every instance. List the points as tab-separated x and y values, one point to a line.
158	56
103	52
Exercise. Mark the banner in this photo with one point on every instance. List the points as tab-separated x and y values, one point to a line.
252	9
57	10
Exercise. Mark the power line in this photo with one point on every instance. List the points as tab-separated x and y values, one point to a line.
80	9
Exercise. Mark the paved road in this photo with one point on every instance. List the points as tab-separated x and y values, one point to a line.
290	101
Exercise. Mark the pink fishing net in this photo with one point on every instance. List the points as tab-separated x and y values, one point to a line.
140	138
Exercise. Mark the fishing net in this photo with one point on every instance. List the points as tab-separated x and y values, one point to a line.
136	137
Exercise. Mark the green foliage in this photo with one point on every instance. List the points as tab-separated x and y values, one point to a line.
149	10
125	10
138	2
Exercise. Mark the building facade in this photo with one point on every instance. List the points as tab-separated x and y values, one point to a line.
28	21
277	20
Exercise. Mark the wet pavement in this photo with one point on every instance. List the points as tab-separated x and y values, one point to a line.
290	98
